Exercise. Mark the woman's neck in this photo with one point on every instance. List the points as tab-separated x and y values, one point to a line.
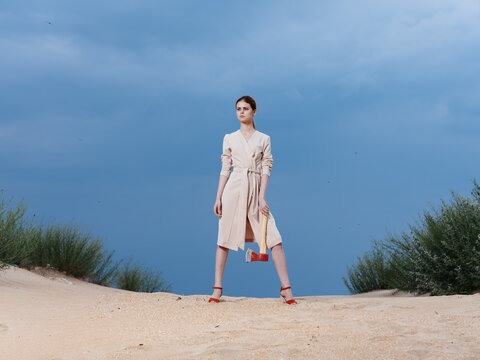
247	128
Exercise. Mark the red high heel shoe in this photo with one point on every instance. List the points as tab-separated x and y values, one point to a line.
215	299
289	302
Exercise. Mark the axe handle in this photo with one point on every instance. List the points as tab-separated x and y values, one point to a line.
263	238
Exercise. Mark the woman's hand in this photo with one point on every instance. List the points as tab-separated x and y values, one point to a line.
217	208
262	204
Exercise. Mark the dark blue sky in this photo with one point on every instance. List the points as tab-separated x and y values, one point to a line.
113	116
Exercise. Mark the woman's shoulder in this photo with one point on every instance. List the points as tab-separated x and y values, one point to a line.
263	135
230	134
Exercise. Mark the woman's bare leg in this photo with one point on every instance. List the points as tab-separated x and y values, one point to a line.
278	256
220	261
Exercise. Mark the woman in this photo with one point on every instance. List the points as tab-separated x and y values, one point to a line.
241	200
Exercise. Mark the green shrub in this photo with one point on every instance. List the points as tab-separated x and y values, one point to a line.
402	259
14	246
439	255
67	248
371	272
135	277
446	248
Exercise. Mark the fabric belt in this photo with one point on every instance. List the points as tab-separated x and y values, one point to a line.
239	169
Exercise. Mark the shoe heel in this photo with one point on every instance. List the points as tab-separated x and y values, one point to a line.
215	299
289	302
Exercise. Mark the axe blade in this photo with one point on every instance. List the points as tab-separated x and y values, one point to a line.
253	256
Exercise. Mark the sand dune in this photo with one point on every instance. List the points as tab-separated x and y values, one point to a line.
47	315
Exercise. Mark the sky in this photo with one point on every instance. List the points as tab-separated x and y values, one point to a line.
112	116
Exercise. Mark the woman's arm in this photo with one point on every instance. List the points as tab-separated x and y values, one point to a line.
226	158
217	207
263	186
267	162
221	185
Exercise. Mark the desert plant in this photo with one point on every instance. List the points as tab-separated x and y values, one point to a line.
439	255
14	247
448	259
370	272
68	248
135	277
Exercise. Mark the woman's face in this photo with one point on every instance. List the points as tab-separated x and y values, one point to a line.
245	112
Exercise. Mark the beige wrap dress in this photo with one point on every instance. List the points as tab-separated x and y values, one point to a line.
241	217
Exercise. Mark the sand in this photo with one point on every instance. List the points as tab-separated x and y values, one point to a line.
48	315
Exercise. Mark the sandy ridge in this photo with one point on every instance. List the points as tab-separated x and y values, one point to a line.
48	315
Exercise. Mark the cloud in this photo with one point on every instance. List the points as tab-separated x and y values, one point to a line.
144	61
346	44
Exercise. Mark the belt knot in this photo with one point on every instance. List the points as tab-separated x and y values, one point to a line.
246	170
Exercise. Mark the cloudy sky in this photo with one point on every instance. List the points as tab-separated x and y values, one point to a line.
112	116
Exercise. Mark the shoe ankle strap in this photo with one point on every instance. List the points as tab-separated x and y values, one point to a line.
285	288
217	287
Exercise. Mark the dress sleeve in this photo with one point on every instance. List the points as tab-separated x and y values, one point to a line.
226	157
267	159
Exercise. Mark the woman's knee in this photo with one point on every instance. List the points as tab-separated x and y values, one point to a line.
223	248
276	246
